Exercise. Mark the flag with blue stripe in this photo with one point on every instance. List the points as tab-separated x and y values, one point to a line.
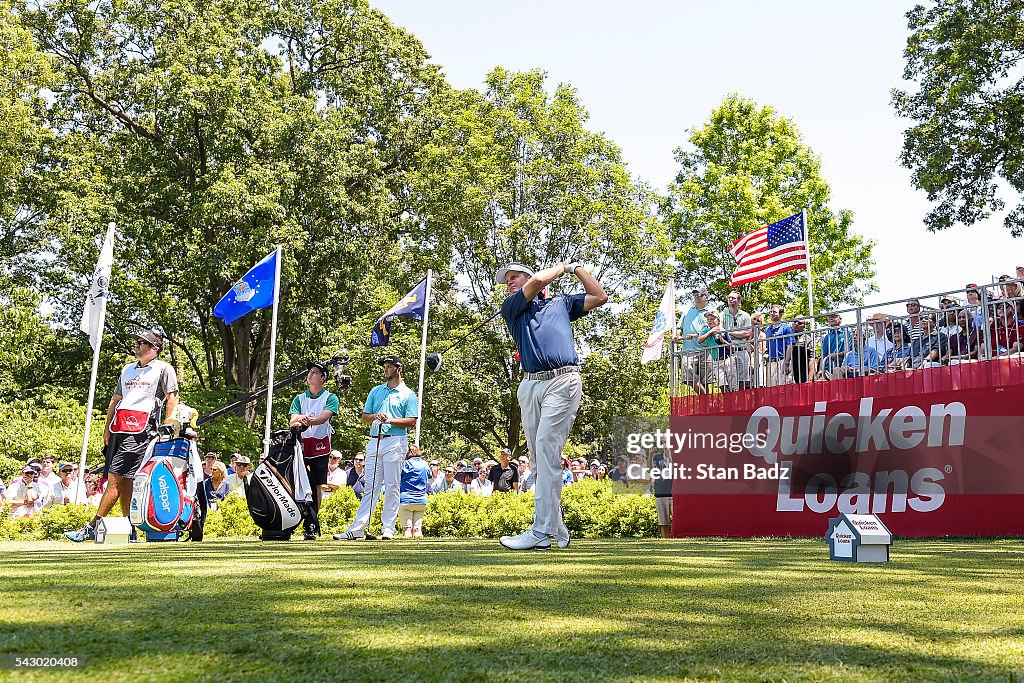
254	291
412	305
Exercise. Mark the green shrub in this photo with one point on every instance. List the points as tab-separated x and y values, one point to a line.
49	524
231	518
592	509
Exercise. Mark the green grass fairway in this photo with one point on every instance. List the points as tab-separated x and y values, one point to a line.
233	610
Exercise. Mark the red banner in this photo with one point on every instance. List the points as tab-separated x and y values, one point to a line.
933	452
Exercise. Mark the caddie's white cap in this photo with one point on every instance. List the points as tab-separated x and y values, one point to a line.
499	276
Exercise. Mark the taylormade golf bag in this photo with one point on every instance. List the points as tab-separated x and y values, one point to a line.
164	492
278	492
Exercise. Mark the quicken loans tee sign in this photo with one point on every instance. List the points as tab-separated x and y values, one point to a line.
935	452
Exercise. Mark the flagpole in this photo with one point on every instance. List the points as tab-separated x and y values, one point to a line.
807	248
273	351
80	483
423	354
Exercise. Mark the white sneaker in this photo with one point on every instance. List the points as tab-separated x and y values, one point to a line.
348	536
527	540
562	537
388	535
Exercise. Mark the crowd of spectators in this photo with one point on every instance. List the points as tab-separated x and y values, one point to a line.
735	350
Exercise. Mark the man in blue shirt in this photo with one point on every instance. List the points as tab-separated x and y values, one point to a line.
780	339
550	393
390	409
694	368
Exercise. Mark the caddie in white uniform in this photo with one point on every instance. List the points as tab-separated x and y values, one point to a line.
314	409
132	420
391	408
551	390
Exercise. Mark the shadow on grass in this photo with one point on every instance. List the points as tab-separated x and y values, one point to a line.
749	610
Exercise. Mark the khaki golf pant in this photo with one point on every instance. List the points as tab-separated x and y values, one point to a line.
549	408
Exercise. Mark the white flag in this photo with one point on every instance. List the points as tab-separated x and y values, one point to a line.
664	324
96	304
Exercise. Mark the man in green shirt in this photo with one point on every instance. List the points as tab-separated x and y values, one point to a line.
737	323
314	409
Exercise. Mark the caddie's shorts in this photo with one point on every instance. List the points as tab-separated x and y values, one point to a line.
125	453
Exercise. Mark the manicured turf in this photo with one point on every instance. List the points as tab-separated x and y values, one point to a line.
467	610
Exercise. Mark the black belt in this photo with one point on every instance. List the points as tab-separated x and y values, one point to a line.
385	436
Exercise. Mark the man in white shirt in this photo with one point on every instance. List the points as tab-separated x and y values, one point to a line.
243	465
68	480
336	476
24	494
878	339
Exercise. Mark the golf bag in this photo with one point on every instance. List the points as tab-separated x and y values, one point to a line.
278	492
164	491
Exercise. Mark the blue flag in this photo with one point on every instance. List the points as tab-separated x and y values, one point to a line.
412	305
255	290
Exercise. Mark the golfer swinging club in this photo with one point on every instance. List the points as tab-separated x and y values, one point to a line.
550	393
391	408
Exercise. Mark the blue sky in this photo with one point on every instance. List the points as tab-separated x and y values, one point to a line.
648	71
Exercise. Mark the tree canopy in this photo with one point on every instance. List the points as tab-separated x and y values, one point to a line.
967	141
746	167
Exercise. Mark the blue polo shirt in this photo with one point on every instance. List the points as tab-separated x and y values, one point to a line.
692	322
397	402
541	329
779	337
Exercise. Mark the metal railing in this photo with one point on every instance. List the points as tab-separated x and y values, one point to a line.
959	328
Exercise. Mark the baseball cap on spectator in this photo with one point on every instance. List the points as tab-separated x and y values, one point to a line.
502	273
449	469
33	460
393	360
152	337
65	466
322	367
335	455
700	290
972	287
35	467
506	451
435	462
595	463
27	469
949	300
244	460
478	461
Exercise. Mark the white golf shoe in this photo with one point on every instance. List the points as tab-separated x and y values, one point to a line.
528	540
562	537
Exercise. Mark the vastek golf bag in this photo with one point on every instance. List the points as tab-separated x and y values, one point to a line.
278	492
164	491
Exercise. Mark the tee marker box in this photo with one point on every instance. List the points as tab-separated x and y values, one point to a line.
858	538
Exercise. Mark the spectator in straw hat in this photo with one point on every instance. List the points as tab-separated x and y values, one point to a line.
879	339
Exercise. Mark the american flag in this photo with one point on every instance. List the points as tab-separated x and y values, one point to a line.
768	251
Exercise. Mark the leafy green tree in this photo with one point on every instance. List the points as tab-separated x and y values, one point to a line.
968	109
747	167
213	130
513	174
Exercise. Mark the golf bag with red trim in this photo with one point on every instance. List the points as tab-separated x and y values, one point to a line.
164	491
278	492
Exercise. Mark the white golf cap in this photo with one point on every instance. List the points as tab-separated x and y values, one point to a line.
499	276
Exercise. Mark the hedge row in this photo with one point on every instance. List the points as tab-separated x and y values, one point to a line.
592	509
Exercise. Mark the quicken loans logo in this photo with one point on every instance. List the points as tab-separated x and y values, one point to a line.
904	429
860	492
